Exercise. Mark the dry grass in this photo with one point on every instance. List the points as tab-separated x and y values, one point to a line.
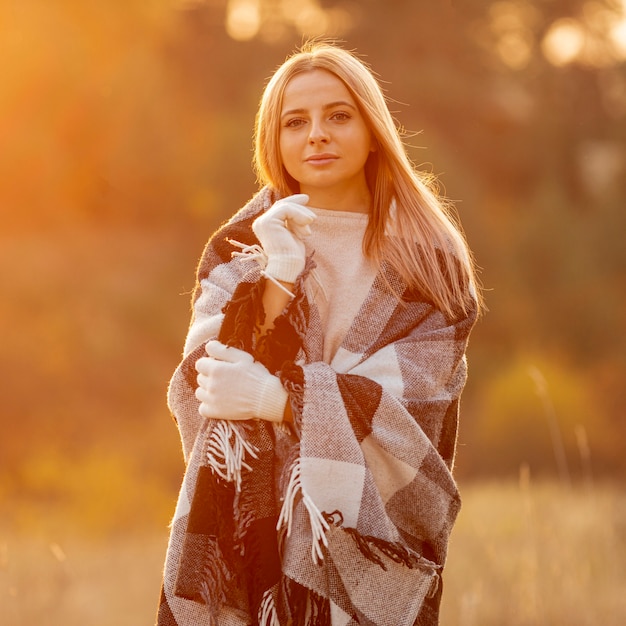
80	582
537	555
521	555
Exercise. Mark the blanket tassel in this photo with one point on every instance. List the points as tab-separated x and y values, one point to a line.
318	524
268	616
397	553
226	451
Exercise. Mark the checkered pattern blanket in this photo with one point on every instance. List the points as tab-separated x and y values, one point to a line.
344	517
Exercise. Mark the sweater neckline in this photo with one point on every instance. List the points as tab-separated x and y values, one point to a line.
333	214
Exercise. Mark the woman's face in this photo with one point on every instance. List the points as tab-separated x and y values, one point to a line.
324	141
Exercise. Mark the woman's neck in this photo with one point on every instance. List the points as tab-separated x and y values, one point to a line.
339	200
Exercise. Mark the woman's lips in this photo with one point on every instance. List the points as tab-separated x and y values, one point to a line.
321	159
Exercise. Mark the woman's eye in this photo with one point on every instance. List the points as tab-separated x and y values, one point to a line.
294	123
340	116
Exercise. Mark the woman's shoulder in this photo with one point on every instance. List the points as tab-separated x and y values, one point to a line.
218	249
261	201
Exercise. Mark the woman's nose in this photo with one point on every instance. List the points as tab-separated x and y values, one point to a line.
318	133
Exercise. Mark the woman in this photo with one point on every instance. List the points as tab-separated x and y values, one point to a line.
318	395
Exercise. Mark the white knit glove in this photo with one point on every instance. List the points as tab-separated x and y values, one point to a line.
233	386
281	230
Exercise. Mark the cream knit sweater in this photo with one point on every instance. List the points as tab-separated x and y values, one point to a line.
343	275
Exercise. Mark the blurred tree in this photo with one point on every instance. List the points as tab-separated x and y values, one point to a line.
127	136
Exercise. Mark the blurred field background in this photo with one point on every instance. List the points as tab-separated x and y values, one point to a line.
125	139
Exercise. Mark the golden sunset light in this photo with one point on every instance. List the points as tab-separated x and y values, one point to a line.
126	140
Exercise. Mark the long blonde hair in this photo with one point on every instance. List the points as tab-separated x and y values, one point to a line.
404	199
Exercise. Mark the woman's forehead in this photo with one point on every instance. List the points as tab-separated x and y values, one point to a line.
314	86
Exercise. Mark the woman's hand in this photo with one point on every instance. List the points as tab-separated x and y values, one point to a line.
280	231
233	386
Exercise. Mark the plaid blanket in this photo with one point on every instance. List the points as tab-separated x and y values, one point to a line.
344	517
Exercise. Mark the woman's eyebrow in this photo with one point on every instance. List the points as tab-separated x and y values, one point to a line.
330	105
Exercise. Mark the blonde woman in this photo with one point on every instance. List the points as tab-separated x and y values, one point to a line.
317	399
